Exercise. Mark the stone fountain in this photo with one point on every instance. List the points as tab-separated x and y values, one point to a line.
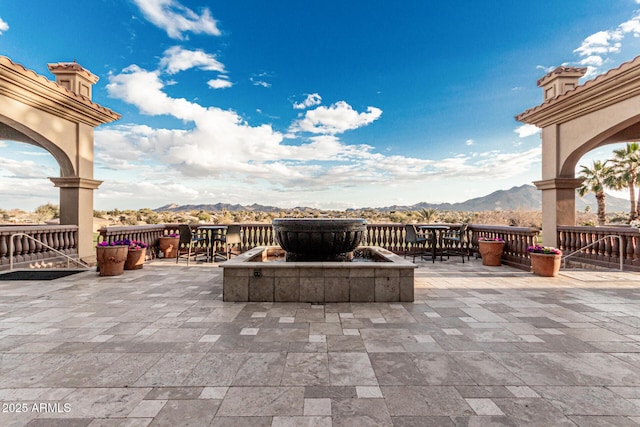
315	263
319	239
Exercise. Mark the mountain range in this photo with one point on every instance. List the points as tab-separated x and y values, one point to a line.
525	197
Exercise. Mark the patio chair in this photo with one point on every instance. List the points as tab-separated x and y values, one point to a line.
455	242
233	236
192	243
417	240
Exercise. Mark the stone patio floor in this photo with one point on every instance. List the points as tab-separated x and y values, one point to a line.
479	346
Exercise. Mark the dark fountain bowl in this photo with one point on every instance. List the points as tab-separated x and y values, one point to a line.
319	239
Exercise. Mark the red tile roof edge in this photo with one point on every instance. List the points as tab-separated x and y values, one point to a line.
580	88
53	85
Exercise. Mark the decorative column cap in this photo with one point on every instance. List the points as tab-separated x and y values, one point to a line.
75	182
558	183
74	77
560	81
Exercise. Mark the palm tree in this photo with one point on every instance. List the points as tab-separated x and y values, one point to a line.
626	165
428	215
595	179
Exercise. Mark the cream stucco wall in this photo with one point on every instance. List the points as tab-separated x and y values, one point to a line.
40	112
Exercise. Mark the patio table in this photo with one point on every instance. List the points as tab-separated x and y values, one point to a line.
214	232
436	237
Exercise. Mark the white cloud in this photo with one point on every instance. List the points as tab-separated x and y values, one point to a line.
177	59
3	26
310	101
176	19
596	48
602	42
526	130
469	142
219	144
337	118
219	83
258	82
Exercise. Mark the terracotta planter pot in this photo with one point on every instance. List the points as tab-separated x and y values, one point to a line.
547	265
111	259
135	259
169	246
491	252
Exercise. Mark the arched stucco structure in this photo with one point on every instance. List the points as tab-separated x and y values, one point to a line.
574	120
59	117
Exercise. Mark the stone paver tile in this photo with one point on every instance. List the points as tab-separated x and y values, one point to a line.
125	370
147	409
388	335
32	373
431	421
52	422
176	335
484	406
351	369
345	344
608	421
102	402
262	401
192	413
588	401
310	421
260	369
171	370
332	392
320	406
209	338
485	370
241	422
532	412
570	369
360	412
268	335
440	369
306	369
368	392
428	400
396	369
486	391
174	393
215	369
522	391
120	422
213	393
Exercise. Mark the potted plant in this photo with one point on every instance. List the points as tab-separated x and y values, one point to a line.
491	250
111	257
169	245
136	255
545	260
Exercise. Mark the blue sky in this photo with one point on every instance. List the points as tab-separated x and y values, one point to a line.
330	104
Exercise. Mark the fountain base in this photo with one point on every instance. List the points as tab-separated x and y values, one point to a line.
251	277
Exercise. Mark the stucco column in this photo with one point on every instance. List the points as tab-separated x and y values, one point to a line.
76	208
558	206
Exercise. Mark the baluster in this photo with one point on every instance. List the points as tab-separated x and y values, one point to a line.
4	246
25	246
631	248
615	249
56	241
31	250
17	248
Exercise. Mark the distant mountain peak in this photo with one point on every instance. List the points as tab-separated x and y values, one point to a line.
523	197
